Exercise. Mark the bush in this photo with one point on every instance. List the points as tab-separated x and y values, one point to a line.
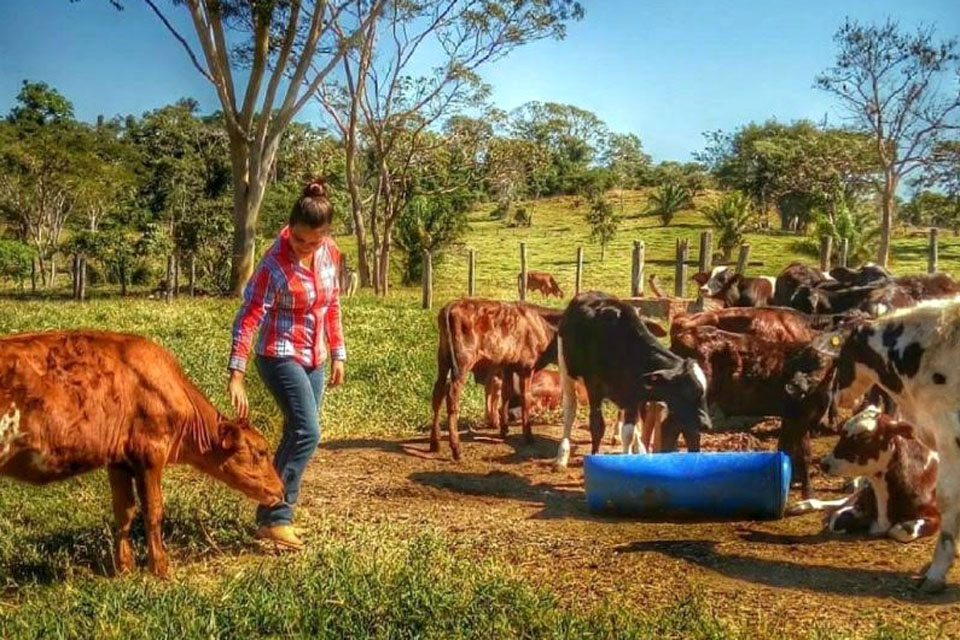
522	217
603	224
857	224
668	199
730	216
431	224
16	258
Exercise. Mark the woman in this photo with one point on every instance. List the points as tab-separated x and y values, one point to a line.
293	297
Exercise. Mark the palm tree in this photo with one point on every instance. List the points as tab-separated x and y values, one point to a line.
730	216
668	199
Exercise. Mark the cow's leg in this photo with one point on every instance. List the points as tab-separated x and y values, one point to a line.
569	391
440	390
124	511
618	431
910	530
597	425
628	433
453	411
151	499
526	377
948	499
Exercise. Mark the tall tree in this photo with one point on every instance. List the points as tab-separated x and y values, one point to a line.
278	52
626	161
902	89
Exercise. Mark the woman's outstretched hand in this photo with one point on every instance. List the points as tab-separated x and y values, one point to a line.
238	394
337	373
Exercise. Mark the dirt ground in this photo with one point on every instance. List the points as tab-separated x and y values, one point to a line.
505	499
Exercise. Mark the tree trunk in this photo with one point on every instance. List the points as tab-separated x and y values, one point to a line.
53	271
176	274
33	275
76	276
356	208
123	278
169	292
82	280
886	217
248	190
193	275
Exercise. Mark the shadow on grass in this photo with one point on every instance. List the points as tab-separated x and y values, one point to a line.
844	581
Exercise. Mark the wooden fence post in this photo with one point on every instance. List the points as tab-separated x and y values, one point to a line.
932	255
636	273
472	274
845	252
76	276
579	281
523	272
826	248
193	274
680	274
706	252
427	280
743	257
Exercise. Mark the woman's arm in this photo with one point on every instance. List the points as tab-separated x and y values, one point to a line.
258	298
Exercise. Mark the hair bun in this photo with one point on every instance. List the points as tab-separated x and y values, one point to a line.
316	189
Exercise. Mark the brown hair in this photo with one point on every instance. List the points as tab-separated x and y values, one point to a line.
313	209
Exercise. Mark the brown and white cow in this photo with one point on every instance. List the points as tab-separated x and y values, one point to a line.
912	354
899	496
540	281
494	337
74	401
734	289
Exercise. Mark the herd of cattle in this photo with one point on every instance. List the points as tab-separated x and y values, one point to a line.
803	346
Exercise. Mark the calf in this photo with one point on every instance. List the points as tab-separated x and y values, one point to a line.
540	281
770	323
791	278
75	401
750	375
899	499
734	289
912	354
603	342
493	336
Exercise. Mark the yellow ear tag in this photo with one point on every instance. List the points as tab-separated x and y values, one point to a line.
835	341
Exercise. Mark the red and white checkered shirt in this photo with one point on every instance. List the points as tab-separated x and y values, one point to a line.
297	307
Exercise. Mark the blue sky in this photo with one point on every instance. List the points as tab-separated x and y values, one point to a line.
667	71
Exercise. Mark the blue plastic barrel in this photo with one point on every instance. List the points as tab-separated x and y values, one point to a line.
751	485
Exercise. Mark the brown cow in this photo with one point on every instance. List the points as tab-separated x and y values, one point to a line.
770	323
733	289
540	281
491	335
75	401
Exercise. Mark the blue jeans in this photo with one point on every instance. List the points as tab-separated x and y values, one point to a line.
299	392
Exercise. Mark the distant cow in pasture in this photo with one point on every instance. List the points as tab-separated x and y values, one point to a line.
735	290
603	342
74	401
494	337
912	354
540	281
751	375
898	497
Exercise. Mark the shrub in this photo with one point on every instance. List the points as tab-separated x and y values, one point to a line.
668	199
603	223
730	216
16	259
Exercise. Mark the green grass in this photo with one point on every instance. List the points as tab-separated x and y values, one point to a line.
357	581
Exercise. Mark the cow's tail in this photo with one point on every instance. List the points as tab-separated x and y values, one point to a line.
454	368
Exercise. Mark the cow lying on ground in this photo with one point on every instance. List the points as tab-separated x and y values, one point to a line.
603	342
912	354
494	336
899	498
540	281
734	289
71	402
750	375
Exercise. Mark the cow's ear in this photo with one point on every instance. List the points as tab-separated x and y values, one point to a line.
229	435
700	278
830	343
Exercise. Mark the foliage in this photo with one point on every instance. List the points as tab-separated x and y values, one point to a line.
16	260
668	200
691	175
603	223
731	217
931	208
854	222
428	224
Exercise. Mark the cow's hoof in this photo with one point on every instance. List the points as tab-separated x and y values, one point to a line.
932	586
159	569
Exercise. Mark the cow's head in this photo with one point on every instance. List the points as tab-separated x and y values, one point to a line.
683	389
866	444
714	283
240	457
809	300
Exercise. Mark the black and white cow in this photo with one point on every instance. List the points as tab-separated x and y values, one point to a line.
898	496
603	342
913	354
734	289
